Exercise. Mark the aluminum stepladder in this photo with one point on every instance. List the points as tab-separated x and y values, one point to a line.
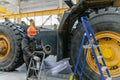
36	67
88	35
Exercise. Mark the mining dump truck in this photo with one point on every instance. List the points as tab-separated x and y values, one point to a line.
104	16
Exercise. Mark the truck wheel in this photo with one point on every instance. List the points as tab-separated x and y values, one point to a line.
106	26
10	50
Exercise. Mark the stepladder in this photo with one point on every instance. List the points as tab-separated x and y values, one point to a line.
92	44
35	67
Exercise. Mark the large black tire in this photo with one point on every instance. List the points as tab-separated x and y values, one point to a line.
104	20
15	57
24	27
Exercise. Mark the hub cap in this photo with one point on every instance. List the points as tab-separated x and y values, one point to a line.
4	47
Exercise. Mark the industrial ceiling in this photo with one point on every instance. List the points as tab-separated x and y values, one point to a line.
22	6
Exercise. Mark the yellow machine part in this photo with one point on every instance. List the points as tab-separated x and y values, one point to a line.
109	43
3	10
71	77
37	13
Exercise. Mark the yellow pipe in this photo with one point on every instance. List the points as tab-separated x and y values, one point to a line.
37	13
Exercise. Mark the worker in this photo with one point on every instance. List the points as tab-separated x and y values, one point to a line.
55	26
28	45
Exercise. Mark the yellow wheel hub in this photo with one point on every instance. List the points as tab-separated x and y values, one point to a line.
107	53
109	43
4	47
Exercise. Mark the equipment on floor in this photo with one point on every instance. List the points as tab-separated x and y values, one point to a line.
35	67
91	43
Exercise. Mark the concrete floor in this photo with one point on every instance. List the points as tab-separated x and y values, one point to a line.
20	74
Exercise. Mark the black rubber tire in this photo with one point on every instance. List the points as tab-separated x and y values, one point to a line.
15	58
24	27
104	20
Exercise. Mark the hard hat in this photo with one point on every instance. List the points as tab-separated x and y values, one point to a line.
31	31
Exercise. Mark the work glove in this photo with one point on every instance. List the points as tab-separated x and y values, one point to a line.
36	58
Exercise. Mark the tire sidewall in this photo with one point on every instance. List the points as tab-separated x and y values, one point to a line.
8	32
100	22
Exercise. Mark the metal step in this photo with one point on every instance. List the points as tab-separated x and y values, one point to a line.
103	68
109	78
34	68
90	46
33	78
99	57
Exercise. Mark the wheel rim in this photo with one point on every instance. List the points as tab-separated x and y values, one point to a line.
109	43
4	47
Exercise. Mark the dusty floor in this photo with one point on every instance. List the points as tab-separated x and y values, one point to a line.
20	74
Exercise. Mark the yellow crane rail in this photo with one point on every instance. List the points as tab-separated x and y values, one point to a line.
37	13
